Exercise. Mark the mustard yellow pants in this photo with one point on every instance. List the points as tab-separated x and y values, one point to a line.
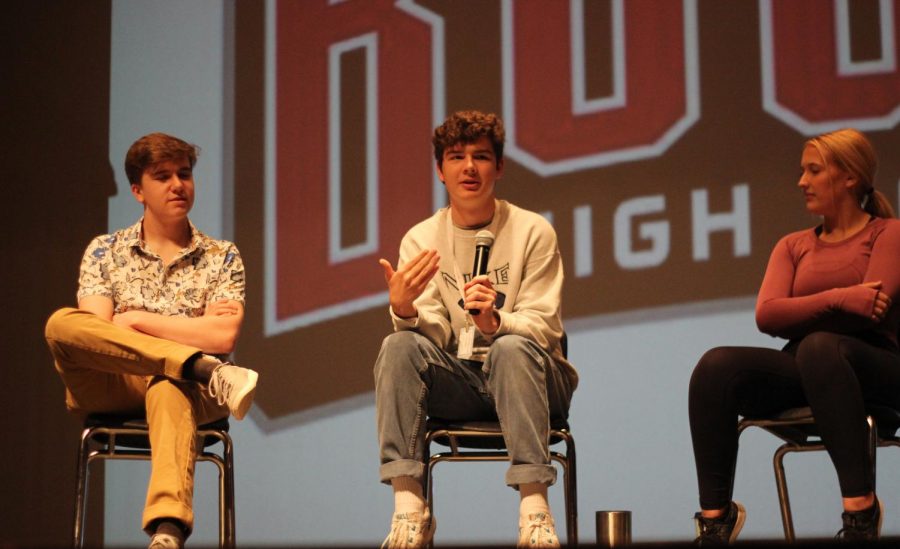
110	369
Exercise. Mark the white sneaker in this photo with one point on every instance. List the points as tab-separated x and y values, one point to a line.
410	530
537	531
164	541
234	386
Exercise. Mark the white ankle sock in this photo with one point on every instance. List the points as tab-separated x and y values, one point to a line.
408	496
534	499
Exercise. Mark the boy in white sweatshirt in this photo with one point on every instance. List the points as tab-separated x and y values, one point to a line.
467	347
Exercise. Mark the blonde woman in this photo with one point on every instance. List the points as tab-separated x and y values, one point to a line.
829	291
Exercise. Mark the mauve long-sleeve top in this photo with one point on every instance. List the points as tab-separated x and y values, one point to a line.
811	285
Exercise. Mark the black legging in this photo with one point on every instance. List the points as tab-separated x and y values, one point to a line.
833	374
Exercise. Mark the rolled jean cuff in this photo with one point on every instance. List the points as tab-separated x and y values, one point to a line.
402	468
168	509
527	473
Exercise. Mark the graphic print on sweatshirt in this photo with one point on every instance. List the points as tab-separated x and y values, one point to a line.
498	277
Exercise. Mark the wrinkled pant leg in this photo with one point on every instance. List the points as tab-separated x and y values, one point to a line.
528	389
105	367
415	378
726	383
840	373
174	410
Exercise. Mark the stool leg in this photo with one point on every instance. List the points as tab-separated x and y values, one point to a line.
429	492
428	479
81	479
225	467
569	495
230	534
872	441
783	499
223	517
571	485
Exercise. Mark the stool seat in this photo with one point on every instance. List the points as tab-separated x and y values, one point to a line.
121	423
481	434
126	436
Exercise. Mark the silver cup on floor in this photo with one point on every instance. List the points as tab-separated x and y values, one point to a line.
613	528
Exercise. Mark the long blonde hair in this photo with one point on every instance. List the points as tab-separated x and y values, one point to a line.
852	152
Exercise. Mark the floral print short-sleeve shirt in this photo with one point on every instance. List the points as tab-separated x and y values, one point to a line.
120	267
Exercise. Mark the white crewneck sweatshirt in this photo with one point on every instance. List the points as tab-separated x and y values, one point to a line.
525	269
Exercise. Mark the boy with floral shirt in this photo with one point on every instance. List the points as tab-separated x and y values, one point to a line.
157	302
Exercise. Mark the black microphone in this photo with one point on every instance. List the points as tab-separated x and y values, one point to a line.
483	242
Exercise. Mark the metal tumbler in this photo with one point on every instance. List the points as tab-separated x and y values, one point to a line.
613	528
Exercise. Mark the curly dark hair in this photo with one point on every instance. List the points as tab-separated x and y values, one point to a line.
155	148
468	127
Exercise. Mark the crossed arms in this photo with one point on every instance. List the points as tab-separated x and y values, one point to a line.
215	332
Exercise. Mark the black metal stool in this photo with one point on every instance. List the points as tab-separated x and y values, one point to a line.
112	436
797	428
484	441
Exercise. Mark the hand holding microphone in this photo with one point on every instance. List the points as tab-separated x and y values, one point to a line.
479	292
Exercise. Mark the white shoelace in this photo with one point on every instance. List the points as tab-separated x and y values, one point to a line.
219	387
539	531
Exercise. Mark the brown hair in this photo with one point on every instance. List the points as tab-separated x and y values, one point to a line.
468	127
155	148
852	152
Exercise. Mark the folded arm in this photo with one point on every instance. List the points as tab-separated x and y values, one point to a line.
215	332
845	310
535	314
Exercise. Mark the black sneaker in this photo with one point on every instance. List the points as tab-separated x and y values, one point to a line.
862	525
721	530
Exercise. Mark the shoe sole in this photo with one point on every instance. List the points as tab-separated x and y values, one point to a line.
245	397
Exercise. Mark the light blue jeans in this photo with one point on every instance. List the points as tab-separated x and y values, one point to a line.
520	384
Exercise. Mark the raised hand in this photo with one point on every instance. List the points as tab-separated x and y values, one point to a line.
409	281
